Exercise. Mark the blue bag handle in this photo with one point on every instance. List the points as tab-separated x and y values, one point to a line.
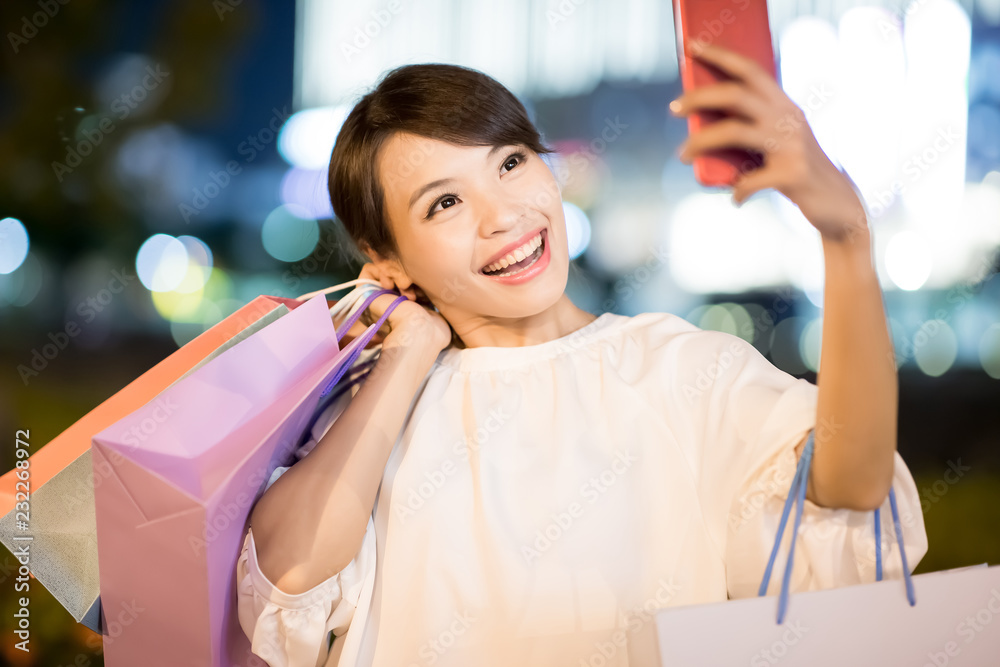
798	492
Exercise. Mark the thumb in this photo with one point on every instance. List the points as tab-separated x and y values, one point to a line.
749	183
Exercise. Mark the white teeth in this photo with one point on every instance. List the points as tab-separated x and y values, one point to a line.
517	255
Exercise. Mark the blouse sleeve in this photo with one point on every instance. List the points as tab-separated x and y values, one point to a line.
294	630
835	547
751	416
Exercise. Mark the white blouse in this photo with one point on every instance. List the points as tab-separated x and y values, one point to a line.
542	502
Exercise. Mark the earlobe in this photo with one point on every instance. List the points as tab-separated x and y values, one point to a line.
388	269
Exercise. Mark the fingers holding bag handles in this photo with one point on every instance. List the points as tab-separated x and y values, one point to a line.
415	316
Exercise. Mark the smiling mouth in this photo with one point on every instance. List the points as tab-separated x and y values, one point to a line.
517	267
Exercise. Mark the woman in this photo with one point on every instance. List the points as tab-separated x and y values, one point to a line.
519	482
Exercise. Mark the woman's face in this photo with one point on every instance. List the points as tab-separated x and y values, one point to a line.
454	208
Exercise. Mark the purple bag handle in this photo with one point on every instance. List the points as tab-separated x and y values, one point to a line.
362	371
798	492
364	338
346	326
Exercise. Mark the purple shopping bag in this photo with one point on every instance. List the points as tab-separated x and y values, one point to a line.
182	474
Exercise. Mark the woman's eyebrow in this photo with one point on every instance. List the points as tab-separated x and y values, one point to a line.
430	186
442	181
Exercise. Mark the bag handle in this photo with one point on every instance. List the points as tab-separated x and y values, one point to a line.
798	492
361	341
337	288
359	311
358	373
350	302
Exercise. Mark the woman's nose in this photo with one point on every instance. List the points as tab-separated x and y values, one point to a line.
503	215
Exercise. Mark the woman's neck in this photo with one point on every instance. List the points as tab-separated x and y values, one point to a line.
559	320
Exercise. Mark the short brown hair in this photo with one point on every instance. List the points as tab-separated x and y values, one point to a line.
450	103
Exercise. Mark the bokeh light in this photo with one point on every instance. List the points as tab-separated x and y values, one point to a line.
937	41
760	327
179	306
577	229
730	318
935	347
810	343
868	97
307	188
716	247
21	286
192	313
785	345
989	351
306	140
161	263
718	318
13	244
289	233
908	260
741	319
199	266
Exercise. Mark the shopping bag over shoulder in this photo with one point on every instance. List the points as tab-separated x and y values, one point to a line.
936	618
63	530
74	441
186	469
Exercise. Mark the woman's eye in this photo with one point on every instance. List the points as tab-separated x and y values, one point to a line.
440	202
513	160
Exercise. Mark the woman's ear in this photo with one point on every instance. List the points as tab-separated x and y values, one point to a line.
388	270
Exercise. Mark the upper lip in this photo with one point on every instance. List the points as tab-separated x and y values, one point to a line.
512	247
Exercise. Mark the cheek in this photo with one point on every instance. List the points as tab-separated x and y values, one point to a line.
438	264
544	195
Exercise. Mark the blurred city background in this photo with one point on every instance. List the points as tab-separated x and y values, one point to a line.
162	163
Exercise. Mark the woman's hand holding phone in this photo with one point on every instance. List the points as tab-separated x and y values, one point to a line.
763	119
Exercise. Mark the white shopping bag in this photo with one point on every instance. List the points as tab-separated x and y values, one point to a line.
951	617
955	622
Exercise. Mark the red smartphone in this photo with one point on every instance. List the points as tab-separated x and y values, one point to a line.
738	25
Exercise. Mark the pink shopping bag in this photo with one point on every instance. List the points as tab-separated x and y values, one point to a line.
69	445
63	524
186	469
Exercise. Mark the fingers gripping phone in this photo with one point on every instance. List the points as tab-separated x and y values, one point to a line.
738	25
